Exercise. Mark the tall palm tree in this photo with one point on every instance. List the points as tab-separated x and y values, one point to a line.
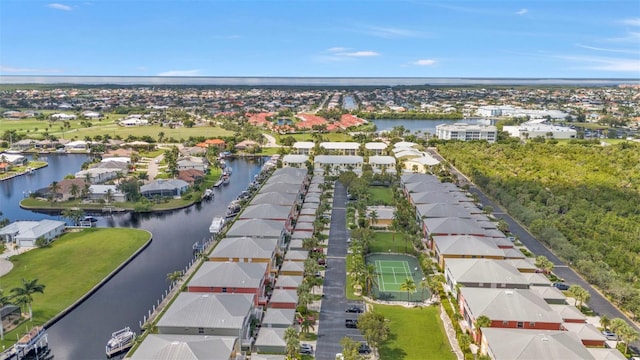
292	340
74	190
605	322
617	325
54	187
306	324
370	278
373	217
580	294
25	293
409	286
628	334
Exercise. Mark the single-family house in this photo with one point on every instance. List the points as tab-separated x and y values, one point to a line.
193	162
108	193
191	176
26	233
164	188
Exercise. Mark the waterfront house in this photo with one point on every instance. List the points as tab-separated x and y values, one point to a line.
13	159
191	176
104	192
98	175
247	249
193	347
193	162
232	278
268	212
506	308
25	233
164	188
259	228
77	145
209	314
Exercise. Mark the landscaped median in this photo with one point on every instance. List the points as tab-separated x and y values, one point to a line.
69	268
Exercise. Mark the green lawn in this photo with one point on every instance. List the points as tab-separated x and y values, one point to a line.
350	281
308	137
69	268
383	241
416	333
380	195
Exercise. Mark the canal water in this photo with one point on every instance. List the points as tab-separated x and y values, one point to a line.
129	295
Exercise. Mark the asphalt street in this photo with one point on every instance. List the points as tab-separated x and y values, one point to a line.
332	313
597	303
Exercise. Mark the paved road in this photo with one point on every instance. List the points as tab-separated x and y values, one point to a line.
332	316
271	141
598	302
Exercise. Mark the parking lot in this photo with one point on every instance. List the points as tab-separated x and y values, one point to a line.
333	315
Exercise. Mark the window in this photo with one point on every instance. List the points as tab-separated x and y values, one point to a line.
532	324
520	325
200	330
505	322
224	289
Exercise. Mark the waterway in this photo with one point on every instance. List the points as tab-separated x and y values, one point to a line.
424	126
128	296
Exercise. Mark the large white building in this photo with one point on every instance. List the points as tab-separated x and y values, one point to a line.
536	128
466	132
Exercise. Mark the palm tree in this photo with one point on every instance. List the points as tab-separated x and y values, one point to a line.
292	340
54	187
74	190
174	277
616	326
304	296
370	278
580	294
409	286
373	217
109	196
605	322
25	293
483	321
424	285
306	324
628	334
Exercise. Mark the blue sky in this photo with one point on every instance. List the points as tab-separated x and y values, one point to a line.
375	38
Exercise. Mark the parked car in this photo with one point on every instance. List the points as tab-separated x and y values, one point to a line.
322	262
348	240
610	335
351	323
561	286
306	349
354	309
364	348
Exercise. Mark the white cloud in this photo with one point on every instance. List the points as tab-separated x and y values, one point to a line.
392	33
624	51
424	62
606	63
337	49
360	54
522	11
194	72
631	22
59	7
10	69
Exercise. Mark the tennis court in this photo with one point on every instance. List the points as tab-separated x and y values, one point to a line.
392	273
393	270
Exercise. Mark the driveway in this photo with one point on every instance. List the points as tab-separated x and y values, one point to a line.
153	168
332	314
271	141
599	304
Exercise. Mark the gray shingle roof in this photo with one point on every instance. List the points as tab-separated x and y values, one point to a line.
509	305
245	247
534	344
229	274
256	228
185	347
487	271
266	211
212	311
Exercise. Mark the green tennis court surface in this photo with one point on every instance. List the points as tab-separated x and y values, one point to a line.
392	273
392	270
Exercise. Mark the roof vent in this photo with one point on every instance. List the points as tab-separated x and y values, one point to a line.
544	338
508	292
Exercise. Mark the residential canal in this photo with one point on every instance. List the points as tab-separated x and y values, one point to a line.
128	296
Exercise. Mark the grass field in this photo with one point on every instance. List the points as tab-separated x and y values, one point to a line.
416	334
383	241
380	195
69	268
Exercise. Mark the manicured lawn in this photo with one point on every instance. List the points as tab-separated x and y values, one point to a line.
383	241
69	268
307	137
416	333
350	281
380	195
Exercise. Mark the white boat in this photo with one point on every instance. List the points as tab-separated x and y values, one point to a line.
120	341
228	170
208	194
225	179
217	224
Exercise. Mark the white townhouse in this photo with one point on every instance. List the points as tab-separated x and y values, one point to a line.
340	148
466	132
336	164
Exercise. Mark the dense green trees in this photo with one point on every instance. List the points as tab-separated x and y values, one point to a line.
579	198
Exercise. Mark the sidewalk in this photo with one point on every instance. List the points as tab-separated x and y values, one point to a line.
5	264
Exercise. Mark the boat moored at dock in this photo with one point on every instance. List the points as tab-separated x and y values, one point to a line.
217	224
121	341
